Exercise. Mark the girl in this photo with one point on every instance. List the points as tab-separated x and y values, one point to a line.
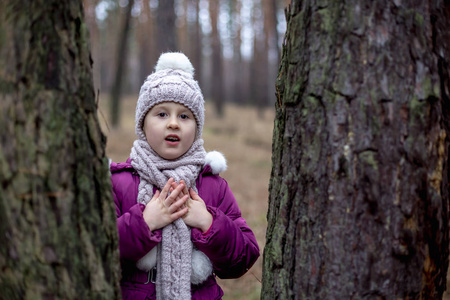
179	224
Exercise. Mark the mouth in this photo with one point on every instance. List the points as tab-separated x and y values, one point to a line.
172	138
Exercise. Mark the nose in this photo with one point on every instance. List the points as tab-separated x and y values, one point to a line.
173	123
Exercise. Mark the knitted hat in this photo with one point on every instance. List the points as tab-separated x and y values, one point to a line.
172	81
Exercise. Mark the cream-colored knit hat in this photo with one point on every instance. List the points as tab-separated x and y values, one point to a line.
172	81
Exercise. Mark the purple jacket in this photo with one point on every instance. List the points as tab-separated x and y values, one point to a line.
229	243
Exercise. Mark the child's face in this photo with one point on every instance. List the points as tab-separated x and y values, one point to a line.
170	129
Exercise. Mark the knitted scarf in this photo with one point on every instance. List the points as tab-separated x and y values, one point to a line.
175	250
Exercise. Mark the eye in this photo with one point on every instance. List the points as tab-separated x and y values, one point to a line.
162	114
184	116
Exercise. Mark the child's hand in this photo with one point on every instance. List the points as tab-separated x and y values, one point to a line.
197	216
162	209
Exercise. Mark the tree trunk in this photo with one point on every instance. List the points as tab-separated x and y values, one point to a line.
94	41
145	33
165	26
183	38
108	40
259	63
272	50
272	9
217	79
197	45
358	205
57	222
121	60
259	95
237	64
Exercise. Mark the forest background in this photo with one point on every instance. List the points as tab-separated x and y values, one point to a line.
379	79
235	48
234	45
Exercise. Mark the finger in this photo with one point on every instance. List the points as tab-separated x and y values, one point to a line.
155	195
174	186
178	214
166	188
194	195
185	190
182	193
173	195
178	204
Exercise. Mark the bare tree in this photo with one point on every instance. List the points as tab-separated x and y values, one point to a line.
165	29
183	37
57	222
196	44
270	25
271	44
237	95
145	33
91	22
358	204
217	79
121	59
259	64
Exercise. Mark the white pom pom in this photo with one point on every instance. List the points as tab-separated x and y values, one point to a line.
147	262
201	267
216	161
174	61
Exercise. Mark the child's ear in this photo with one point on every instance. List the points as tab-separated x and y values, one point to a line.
216	161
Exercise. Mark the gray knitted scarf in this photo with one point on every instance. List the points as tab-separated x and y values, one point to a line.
175	250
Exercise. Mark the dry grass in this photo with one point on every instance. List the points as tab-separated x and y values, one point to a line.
245	138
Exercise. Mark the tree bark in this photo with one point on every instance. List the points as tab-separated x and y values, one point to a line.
145	33
121	60
271	12
237	63
259	64
183	38
91	22
197	45
217	79
358	204
57	222
165	26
